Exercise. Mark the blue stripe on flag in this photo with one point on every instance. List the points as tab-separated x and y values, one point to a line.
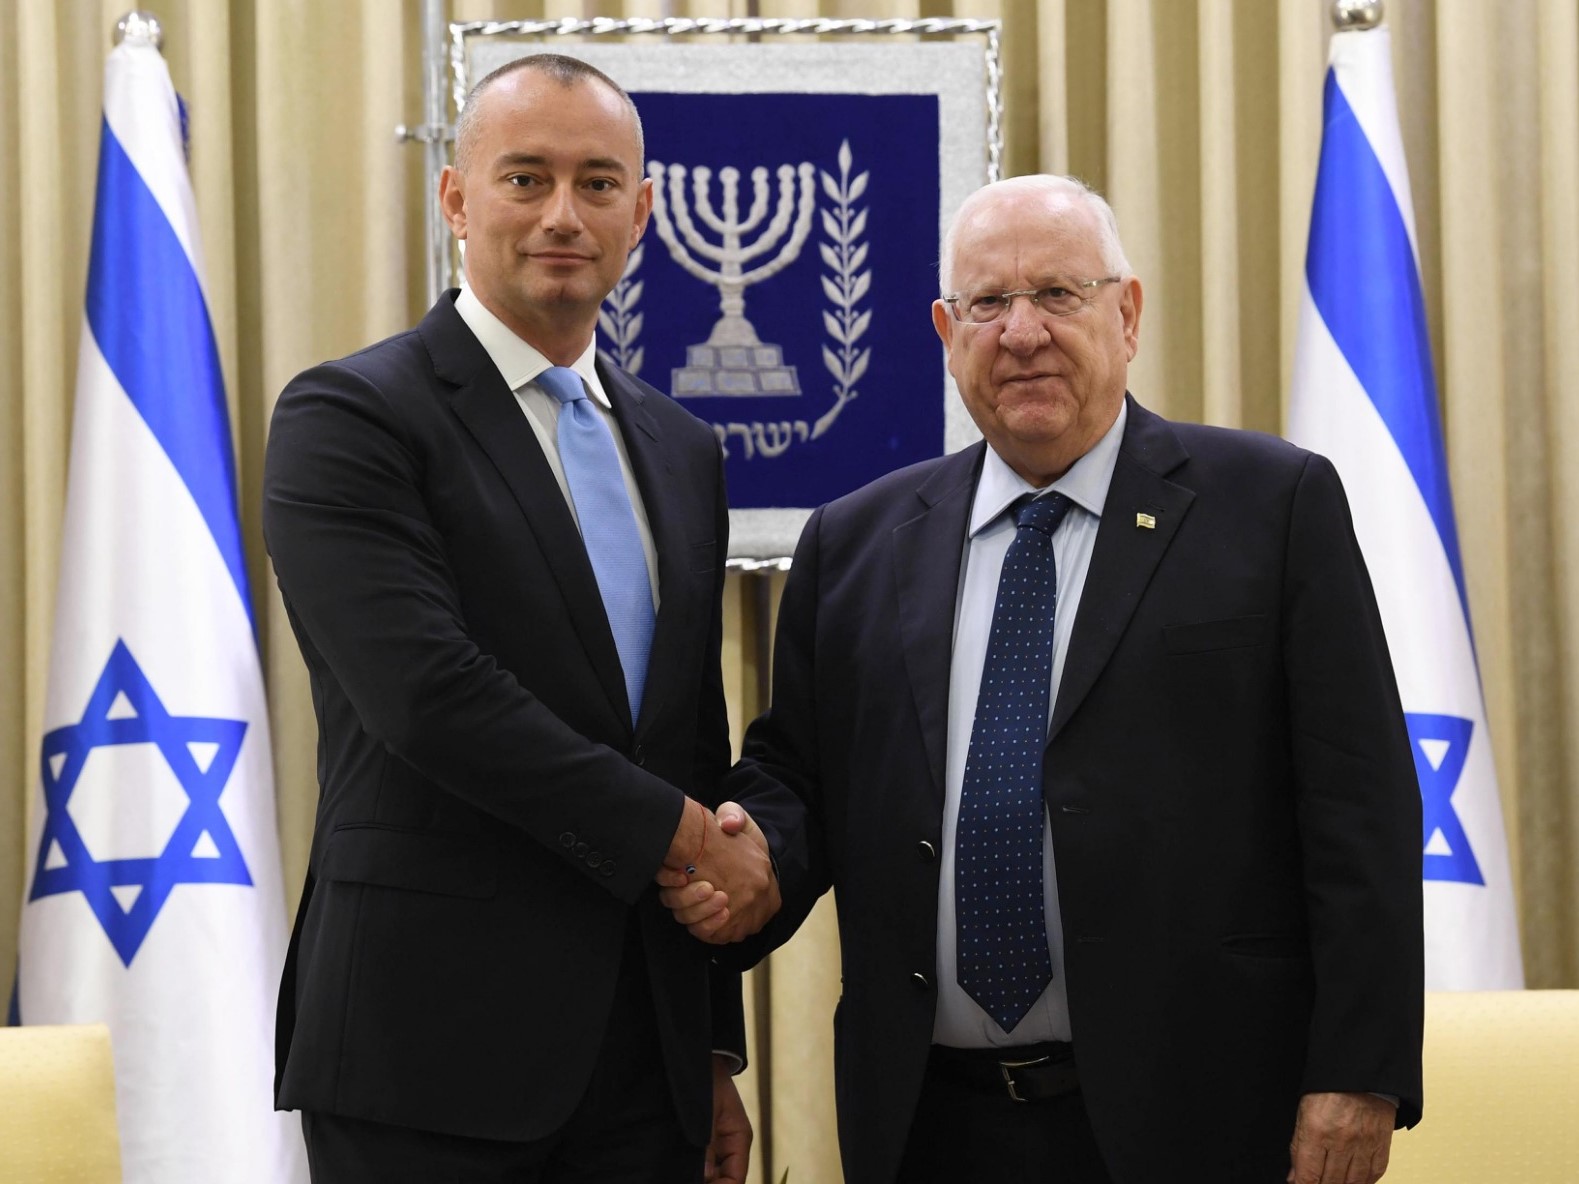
148	315
1363	280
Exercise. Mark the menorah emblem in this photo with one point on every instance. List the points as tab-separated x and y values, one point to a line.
733	360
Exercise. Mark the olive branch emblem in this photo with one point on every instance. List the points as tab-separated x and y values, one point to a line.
845	255
620	319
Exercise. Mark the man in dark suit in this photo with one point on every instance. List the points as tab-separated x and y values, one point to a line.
1128	875
503	559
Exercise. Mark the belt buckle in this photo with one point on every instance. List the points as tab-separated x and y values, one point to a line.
1007	1067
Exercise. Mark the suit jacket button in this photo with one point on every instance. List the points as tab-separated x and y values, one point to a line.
639	757
923	983
580	851
594	858
567	840
928	851
607	869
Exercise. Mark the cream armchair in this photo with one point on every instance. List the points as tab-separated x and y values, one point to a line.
57	1106
1501	1091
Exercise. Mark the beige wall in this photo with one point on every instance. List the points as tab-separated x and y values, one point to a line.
1199	118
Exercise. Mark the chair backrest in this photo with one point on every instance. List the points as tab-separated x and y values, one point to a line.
57	1106
1501	1091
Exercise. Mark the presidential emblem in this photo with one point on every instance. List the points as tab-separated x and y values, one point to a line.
754	299
800	179
733	360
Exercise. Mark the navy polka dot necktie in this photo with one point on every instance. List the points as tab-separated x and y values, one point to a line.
1001	958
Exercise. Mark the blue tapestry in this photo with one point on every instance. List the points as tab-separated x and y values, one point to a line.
782	291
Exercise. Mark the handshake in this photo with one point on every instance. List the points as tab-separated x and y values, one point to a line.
718	877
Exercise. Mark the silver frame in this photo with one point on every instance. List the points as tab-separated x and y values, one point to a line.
437	133
442	264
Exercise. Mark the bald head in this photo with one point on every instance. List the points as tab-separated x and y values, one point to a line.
565	70
1001	198
549	198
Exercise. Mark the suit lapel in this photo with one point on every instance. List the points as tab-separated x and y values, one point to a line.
654	477
490	413
927	554
1126	554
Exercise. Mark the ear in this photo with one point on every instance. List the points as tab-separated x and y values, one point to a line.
643	211
943	322
1129	308
452	200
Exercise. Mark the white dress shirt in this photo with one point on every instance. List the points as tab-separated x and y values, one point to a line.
519	364
959	1021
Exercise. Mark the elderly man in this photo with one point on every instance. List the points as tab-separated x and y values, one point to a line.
503	559
1128	875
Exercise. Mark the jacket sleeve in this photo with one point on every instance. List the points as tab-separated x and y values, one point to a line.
712	758
778	776
362	566
1358	807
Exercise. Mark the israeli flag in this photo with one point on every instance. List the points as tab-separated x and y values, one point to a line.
1364	394
152	895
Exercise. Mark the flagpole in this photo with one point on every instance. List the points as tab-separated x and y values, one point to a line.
434	134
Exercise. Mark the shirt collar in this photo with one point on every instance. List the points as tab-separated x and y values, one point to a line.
1086	483
517	360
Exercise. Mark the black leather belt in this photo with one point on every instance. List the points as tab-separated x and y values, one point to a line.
1029	1073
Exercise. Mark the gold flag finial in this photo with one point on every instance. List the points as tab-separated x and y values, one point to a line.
1357	15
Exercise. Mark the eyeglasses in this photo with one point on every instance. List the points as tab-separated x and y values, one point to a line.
1059	298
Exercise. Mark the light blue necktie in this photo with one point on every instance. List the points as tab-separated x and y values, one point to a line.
608	524
1001	959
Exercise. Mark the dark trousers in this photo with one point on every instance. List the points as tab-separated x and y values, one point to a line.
625	1130
969	1131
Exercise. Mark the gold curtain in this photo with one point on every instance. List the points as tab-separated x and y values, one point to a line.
1199	118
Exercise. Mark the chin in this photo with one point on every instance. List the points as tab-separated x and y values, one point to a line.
1043	424
556	290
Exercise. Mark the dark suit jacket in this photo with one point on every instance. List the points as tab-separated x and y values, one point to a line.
1233	803
489	816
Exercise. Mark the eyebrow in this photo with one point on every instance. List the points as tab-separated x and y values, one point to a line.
611	164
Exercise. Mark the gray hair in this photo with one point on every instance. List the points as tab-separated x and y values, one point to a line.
1108	242
565	70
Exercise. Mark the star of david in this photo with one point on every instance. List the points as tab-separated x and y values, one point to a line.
124	709
1440	744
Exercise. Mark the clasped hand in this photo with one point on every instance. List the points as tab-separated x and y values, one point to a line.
721	887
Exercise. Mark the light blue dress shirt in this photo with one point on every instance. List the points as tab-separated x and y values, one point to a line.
519	363
959	1022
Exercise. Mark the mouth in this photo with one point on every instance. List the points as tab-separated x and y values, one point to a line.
560	258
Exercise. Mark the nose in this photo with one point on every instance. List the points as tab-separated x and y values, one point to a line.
560	215
1024	328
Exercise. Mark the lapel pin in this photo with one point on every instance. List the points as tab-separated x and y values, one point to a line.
1145	522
